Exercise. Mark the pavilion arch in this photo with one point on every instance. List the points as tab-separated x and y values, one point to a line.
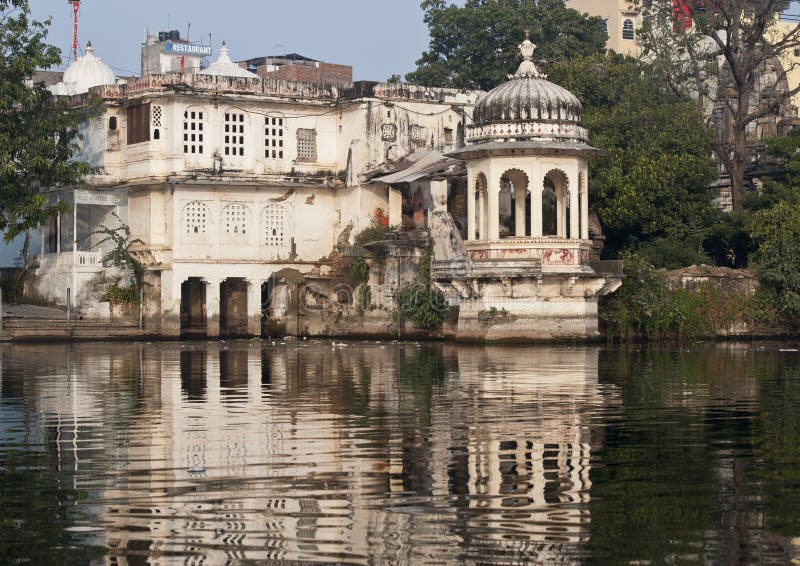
555	203
515	211
481	200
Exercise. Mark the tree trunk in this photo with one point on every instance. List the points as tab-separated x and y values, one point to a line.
740	153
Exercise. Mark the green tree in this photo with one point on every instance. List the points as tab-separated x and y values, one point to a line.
37	130
736	38
475	45
776	231
651	185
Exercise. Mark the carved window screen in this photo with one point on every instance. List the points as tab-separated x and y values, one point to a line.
236	219
275	225
306	145
196	215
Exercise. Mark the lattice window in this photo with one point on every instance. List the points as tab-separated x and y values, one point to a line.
234	134
275	225
158	114
193	131
306	144
196	217
389	132
628	30
273	138
236	219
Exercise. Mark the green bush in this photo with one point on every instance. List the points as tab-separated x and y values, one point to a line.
644	308
365	297
419	301
777	232
358	271
119	295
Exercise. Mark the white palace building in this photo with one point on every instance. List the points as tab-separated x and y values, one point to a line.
233	184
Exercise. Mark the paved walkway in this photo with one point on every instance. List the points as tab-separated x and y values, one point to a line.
33	311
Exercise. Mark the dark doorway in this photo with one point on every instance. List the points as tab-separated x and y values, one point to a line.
193	307
233	370
194	374
233	307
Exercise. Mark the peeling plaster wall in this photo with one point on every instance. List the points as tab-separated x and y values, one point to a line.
356	128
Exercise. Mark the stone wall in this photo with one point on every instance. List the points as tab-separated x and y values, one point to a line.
730	283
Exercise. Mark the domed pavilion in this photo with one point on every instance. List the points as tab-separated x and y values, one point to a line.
84	73
527	164
527	263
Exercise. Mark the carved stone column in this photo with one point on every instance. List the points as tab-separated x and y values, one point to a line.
574	209
471	228
254	306
584	206
520	198
212	307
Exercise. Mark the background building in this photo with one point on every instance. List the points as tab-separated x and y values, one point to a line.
295	67
622	22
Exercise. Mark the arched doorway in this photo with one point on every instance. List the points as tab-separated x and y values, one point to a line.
515	204
555	204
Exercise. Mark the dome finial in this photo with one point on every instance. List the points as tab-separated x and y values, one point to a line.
527	70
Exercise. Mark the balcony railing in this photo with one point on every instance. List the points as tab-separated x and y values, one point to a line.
86	260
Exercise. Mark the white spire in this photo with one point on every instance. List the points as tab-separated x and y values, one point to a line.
225	67
527	69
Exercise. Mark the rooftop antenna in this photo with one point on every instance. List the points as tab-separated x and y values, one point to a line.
76	4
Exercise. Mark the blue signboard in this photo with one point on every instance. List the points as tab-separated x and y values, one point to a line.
190	49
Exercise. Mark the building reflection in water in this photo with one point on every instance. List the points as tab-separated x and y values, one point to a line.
214	452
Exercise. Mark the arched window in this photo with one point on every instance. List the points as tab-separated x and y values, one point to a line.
112	123
193	131
275	225
236	219
196	216
628	31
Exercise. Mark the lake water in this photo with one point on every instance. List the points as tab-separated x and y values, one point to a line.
387	453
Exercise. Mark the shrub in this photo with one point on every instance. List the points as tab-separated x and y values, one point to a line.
119	295
644	308
419	301
777	232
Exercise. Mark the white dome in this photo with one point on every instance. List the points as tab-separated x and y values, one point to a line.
87	71
528	107
224	67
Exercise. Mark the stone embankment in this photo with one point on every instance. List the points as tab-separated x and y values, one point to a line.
33	322
736	284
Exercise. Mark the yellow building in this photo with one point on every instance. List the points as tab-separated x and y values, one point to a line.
622	22
790	59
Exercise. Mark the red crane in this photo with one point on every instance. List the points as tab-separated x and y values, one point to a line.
76	4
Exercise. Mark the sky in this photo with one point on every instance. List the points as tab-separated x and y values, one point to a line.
377	37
